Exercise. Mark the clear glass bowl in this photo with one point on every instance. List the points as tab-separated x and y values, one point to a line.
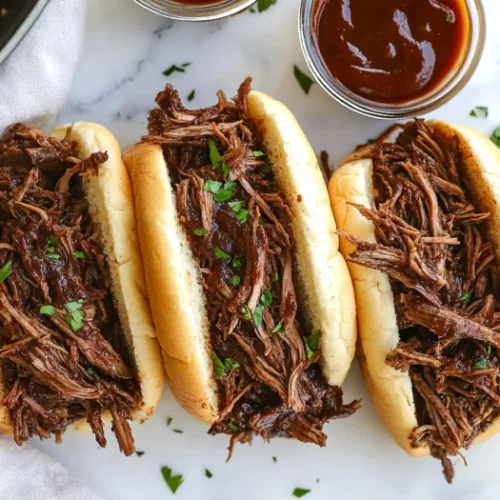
184	12
393	111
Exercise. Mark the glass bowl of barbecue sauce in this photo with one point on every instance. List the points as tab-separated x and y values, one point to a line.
392	59
195	10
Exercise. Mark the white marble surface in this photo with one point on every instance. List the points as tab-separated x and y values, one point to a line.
126	51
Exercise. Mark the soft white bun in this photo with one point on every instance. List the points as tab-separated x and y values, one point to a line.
391	390
324	286
110	199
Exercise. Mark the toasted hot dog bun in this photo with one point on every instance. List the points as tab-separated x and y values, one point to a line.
172	278
391	390
109	195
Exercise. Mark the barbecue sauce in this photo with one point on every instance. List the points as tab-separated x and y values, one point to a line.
392	50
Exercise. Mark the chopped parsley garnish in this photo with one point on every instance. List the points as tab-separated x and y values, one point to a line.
305	81
275	459
311	343
53	256
236	263
264	169
226	193
5	271
275	277
79	254
208	474
278	327
90	371
201	231
52	240
489	350
173	482
231	365
236	280
51	249
212	186
236	206
266	298
178	431
246	313
48	310
191	95
219	254
233	427
450	18
243	216
258	153
300	492
258	315
263	5
216	159
495	136
480	364
466	298
75	314
169	420
479	112
219	368
174	68
139	453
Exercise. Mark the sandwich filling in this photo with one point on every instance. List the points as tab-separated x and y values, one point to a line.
432	242
62	349
239	227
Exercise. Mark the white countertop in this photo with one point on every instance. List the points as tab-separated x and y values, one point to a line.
126	51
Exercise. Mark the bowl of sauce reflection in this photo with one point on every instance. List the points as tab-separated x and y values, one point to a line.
195	10
393	58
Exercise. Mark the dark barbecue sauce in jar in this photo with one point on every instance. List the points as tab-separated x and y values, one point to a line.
391	51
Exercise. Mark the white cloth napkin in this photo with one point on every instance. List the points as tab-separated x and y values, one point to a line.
36	78
28	474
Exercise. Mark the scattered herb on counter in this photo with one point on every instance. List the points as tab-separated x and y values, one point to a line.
174	68
208	474
48	310
300	492
480	364
479	112
263	5
304	81
495	136
275	459
139	453
173	482
191	95
178	431
169	420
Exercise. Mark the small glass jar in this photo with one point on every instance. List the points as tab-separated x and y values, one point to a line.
186	12
436	97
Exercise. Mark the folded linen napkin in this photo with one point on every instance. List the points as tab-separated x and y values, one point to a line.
28	474
36	78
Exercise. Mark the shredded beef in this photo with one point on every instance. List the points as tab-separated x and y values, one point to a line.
61	343
432	242
269	381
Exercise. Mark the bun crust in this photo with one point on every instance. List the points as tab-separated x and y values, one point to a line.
324	285
109	195
390	389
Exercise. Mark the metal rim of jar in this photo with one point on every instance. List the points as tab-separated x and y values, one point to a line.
180	12
383	111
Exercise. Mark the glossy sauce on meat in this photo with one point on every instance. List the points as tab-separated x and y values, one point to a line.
391	50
